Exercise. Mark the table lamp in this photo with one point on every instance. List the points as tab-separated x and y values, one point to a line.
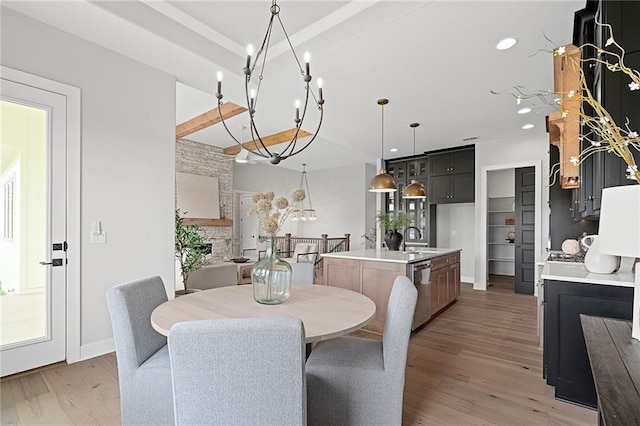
619	233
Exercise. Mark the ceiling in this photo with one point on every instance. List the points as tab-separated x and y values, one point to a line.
435	61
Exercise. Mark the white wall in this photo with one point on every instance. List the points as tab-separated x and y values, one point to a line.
128	161
507	154
340	199
501	183
456	229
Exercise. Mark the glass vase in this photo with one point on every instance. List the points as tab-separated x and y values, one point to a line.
271	277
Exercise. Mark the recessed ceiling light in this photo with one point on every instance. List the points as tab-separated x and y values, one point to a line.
506	43
524	110
527	126
394	150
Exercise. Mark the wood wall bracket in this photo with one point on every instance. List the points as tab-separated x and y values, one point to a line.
564	126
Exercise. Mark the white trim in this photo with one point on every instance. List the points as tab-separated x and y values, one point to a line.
73	96
95	349
481	282
468	279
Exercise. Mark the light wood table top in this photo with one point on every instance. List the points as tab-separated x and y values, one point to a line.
326	312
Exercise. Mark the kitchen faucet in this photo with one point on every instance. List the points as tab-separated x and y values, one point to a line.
404	240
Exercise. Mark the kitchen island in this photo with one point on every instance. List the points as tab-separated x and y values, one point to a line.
434	271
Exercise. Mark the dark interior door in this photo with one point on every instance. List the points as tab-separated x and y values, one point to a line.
525	229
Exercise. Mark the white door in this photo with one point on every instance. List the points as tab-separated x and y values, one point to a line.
248	226
33	233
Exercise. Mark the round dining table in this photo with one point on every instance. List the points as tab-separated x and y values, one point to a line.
325	311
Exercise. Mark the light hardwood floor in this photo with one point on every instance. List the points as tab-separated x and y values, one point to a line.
477	363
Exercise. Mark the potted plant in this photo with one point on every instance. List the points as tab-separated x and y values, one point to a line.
189	248
391	222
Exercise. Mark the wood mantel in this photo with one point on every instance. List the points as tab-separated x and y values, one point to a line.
207	222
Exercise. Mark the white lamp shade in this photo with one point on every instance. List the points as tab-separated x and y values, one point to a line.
619	232
242	156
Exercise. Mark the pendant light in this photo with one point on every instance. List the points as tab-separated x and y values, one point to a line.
414	190
300	213
382	182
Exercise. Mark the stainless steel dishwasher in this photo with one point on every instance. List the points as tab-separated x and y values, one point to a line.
422	280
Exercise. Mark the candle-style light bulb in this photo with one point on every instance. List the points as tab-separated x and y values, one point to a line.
252	94
320	89
307	58
297	111
249	53
219	75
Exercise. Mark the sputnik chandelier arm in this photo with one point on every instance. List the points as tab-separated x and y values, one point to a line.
257	145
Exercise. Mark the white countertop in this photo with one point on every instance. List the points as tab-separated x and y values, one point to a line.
576	272
399	256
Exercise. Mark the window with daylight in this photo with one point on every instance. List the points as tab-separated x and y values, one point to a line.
8	197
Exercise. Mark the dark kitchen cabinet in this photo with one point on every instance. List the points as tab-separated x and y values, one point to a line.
458	188
566	362
451	176
450	162
601	169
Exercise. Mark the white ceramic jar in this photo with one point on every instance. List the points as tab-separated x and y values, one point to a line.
596	262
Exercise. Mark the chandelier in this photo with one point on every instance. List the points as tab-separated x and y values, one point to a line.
414	190
300	213
257	145
382	182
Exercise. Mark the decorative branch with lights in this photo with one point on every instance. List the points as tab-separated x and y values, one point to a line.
599	128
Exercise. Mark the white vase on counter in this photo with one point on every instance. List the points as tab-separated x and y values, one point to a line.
596	262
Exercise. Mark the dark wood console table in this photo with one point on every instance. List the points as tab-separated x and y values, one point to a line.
615	363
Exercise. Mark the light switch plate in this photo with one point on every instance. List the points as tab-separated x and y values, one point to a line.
100	238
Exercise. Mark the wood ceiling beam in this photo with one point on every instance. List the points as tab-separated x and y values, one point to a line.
275	139
209	118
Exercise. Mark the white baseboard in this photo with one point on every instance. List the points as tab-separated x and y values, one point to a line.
93	350
479	286
467	280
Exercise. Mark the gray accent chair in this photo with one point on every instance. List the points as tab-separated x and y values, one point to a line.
144	372
214	275
302	273
357	381
246	371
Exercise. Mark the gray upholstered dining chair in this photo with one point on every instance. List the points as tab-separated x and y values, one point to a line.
246	371
357	381
302	273
144	372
